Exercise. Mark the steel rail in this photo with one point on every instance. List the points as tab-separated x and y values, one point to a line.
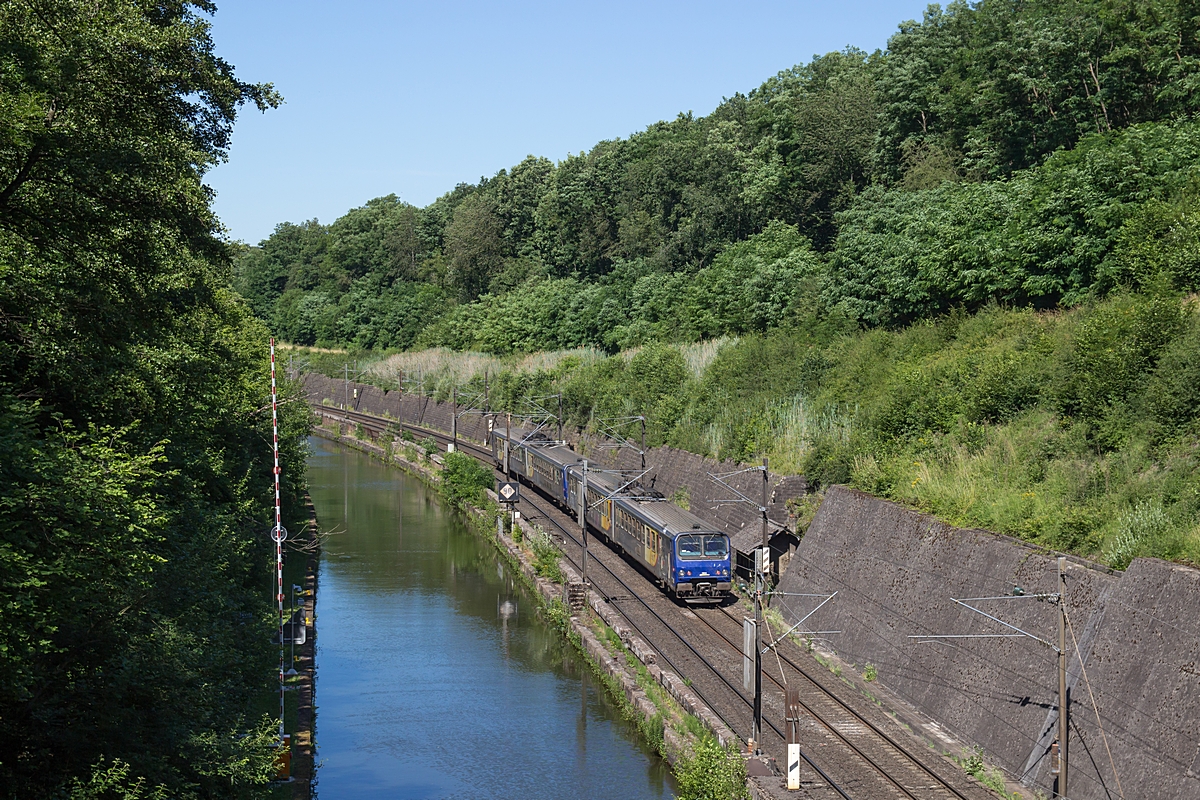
874	728
883	737
712	668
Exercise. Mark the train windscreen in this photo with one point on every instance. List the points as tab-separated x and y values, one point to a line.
695	546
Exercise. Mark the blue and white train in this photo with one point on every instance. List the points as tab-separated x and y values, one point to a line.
690	557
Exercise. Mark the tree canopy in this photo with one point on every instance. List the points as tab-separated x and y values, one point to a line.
135	471
979	158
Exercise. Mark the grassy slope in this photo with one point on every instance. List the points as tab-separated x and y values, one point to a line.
1074	429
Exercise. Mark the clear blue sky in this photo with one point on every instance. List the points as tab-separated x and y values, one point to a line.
413	98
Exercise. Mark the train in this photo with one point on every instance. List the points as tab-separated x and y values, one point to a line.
690	558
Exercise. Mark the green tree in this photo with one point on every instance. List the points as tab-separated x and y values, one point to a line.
474	245
134	480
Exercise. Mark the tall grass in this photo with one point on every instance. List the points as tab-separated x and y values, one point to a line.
436	370
433	366
798	424
698	355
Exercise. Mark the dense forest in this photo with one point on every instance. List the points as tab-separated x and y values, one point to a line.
1023	152
959	273
135	432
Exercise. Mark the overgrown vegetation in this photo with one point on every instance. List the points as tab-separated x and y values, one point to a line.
972	763
135	430
464	479
545	555
1075	429
712	773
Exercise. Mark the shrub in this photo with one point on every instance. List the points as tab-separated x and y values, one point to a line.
545	555
712	773
464	478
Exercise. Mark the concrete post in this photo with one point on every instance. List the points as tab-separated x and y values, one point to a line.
760	587
507	442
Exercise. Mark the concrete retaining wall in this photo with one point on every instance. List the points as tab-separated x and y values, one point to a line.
1144	670
896	570
673	469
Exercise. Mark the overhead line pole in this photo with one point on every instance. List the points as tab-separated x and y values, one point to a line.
643	451
761	565
1058	749
760	584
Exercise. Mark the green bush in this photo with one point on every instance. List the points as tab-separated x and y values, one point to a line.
545	555
712	772
464	479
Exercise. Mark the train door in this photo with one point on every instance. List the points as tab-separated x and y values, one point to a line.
606	516
651	538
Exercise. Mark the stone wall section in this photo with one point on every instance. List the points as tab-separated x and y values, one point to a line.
1144	671
673	469
896	570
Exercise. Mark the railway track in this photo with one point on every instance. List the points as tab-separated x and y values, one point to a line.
898	767
891	769
867	759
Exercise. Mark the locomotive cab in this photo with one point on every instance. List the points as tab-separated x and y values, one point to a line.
701	564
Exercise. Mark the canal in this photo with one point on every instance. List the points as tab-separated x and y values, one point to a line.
435	676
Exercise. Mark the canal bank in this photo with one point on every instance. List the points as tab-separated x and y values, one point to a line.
439	677
307	548
668	714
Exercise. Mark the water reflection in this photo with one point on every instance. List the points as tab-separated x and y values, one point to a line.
435	678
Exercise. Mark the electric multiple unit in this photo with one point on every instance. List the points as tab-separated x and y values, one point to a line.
688	556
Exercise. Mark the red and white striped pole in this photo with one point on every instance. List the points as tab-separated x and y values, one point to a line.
277	533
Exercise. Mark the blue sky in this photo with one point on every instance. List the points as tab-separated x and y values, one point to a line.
414	98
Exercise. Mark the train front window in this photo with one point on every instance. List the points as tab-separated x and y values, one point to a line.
695	546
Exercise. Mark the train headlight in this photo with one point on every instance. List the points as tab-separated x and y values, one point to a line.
681	573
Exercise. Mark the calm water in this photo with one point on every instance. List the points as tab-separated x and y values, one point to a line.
435	677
